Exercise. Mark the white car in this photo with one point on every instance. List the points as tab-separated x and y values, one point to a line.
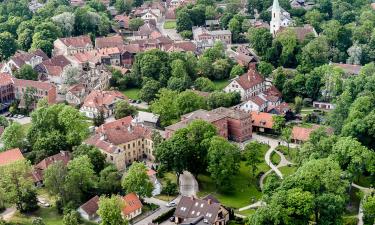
171	204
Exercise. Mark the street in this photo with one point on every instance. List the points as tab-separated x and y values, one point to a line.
188	184
171	33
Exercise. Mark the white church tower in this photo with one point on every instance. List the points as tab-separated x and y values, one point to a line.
275	17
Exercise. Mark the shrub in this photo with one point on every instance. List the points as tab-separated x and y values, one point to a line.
163	217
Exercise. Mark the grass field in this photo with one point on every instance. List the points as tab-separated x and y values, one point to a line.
245	189
221	84
275	158
170	25
167	176
292	156
287	170
131	93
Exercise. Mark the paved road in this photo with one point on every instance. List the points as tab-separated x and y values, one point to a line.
163	208
22	121
188	184
171	33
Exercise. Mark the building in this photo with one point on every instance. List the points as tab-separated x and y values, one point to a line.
238	123
72	45
349	69
253	104
248	85
147	119
219	121
132	206
147	31
122	23
40	90
262	122
6	90
301	32
101	101
279	17
53	69
88	211
21	58
191	210
76	94
10	156
302	134
205	38
323	105
109	42
38	170
123	142
305	4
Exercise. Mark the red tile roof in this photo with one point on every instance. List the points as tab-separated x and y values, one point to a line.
117	123
124	19
5	79
257	100
10	156
132	204
79	41
38	171
249	79
262	119
102	98
91	206
109	42
31	83
303	133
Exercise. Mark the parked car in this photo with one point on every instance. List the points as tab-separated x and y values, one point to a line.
43	203
139	101
171	219
171	204
20	116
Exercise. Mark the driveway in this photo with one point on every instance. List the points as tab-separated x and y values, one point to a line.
163	209
188	184
8	213
171	33
22	121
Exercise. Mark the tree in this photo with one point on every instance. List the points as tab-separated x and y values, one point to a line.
265	68
279	79
3	121
165	106
235	27
355	54
188	101
237	70
369	209
204	84
109	180
96	157
286	135
66	22
278	123
99	119
170	188
8	45
136	180
135	23
13	136
30	98
55	182
315	53
71	218
253	155
222	68
38	221
51	144
110	211
18	186
220	99
71	75
223	162
260	39
298	103
124	109
26	72
183	21
81	174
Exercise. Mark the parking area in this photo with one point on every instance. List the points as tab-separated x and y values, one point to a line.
19	119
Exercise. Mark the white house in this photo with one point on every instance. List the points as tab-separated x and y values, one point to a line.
88	210
72	45
248	85
151	14
254	104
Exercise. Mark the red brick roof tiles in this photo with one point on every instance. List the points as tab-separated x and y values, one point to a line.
132	204
109	42
10	156
262	119
91	206
249	79
79	41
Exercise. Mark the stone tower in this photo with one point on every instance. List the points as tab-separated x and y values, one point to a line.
275	17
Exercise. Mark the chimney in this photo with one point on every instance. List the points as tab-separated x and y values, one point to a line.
209	201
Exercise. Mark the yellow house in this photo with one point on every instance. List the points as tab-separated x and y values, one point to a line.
123	142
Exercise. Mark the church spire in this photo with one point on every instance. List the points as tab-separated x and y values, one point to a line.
275	5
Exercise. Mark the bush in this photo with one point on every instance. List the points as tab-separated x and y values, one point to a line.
186	34
163	217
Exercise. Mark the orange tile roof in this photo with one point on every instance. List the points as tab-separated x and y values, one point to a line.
102	98
10	156
79	41
249	79
109	42
132	203
117	123
31	83
262	119
303	133
5	79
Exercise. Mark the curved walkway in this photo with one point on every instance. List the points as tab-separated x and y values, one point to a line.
273	143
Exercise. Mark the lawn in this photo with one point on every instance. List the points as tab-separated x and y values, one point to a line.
221	84
131	93
292	156
287	170
275	158
170	24
167	176
48	215
245	189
